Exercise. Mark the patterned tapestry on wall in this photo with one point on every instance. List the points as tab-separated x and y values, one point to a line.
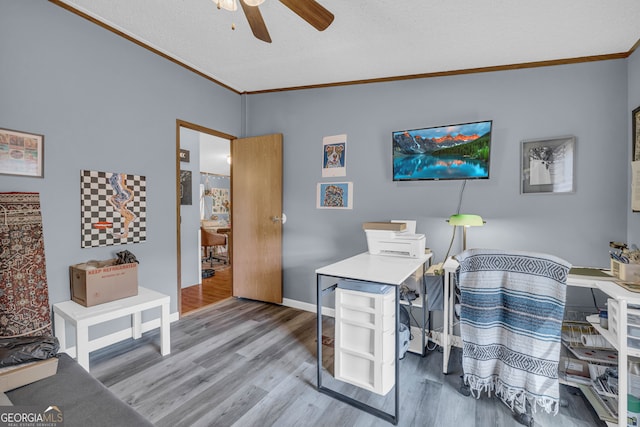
221	201
24	294
113	208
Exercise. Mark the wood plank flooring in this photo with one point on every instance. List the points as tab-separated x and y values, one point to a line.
243	363
212	290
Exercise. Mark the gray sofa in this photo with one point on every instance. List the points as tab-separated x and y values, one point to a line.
84	400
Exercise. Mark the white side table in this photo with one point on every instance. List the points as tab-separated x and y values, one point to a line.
82	317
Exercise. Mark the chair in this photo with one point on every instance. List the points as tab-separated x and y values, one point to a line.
512	308
215	245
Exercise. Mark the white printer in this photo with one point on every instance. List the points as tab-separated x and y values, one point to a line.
394	238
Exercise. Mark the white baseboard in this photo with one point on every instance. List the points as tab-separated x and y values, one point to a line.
121	335
307	307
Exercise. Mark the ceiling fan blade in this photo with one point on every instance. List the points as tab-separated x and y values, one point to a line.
254	17
311	11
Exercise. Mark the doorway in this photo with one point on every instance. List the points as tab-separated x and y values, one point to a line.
204	229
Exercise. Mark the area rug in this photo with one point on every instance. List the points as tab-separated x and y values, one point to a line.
512	307
214	265
24	294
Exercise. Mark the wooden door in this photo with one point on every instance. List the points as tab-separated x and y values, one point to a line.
256	209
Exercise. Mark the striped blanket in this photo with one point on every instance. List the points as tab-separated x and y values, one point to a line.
512	306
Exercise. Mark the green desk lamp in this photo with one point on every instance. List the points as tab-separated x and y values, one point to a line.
465	221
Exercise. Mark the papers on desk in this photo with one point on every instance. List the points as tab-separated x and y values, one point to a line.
599	274
630	286
591	273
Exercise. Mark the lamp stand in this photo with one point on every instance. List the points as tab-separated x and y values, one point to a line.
464	238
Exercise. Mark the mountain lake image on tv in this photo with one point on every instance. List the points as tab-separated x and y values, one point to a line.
446	152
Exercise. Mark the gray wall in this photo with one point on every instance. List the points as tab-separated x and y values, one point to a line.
103	103
633	232
190	214
587	100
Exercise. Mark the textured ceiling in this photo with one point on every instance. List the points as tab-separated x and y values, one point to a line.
370	39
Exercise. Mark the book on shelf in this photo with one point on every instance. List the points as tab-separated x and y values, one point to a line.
603	388
609	403
576	379
594	354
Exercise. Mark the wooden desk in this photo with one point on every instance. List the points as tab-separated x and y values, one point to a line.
380	269
82	317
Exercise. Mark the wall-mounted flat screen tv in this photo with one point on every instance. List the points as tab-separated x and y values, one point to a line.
459	151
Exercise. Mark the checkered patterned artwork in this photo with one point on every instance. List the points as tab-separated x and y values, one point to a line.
113	208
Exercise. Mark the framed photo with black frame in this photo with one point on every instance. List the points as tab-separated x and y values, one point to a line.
21	153
547	166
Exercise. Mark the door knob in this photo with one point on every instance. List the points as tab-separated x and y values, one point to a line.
282	219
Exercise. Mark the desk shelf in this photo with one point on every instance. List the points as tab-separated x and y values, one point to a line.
419	332
594	320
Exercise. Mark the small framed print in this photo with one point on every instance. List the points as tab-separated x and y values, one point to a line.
185	187
334	195
21	153
334	156
548	165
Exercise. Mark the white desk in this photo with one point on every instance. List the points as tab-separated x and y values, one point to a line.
82	317
619	341
389	270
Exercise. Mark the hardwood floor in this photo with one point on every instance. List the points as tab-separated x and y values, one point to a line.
211	290
243	363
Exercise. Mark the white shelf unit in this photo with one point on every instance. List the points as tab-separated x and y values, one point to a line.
623	321
365	339
632	333
579	367
621	298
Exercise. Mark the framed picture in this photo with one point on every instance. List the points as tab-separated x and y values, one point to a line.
185	187
21	153
547	165
113	208
334	195
334	156
635	134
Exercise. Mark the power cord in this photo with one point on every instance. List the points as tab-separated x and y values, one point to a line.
593	295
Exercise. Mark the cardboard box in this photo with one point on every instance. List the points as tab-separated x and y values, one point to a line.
26	373
628	272
388	225
97	282
574	367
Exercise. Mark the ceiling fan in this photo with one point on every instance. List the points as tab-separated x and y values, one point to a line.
309	10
